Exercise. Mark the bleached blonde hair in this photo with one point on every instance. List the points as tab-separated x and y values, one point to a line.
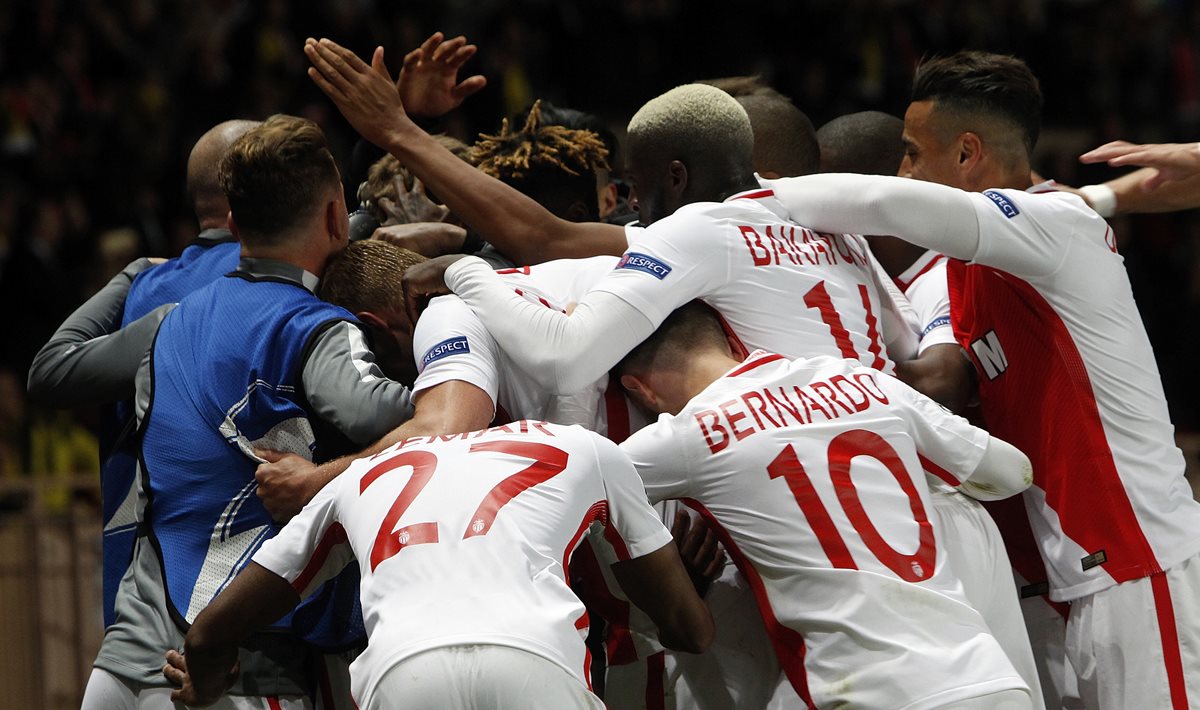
694	118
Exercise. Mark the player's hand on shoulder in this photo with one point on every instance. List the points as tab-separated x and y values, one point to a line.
702	557
286	483
424	281
195	692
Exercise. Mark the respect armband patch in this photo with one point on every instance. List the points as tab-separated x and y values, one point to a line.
644	262
1006	206
935	323
446	348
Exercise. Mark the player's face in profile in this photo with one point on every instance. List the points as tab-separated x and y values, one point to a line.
926	155
646	194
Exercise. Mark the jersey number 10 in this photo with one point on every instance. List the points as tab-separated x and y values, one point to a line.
548	462
842	450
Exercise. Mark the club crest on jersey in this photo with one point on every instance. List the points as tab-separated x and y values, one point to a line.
1009	209
450	346
642	262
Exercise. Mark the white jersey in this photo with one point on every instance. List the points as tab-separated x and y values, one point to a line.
465	539
1067	374
776	285
450	342
924	285
813	471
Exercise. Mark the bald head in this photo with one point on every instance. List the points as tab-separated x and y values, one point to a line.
204	190
866	142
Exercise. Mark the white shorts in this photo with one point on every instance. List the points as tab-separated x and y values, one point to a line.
480	677
106	691
1047	629
1137	644
977	556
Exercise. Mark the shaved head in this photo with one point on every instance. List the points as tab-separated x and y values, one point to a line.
204	189
867	142
785	144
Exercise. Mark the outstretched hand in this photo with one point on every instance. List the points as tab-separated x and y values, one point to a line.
424	281
1172	161
193	691
428	83
366	95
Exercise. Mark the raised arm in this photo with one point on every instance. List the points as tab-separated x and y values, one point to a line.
515	224
933	216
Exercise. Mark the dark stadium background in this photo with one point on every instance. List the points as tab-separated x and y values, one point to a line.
100	101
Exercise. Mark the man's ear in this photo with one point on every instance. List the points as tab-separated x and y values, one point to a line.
336	221
607	199
677	172
640	393
970	150
371	320
229	221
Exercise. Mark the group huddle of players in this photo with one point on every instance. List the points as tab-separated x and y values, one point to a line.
549	432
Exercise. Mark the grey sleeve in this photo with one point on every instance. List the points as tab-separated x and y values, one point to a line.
88	360
346	388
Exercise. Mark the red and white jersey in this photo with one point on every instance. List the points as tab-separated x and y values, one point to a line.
465	539
813	471
450	342
924	285
776	285
1067	374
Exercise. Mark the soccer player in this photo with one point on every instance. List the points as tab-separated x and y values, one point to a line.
774	282
870	143
463	544
813	471
1042	303
213	253
253	360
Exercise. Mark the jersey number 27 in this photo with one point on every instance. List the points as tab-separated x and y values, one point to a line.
547	463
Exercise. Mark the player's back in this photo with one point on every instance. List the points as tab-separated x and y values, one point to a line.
465	539
777	285
813	469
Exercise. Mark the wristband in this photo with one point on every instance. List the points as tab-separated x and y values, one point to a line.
1102	199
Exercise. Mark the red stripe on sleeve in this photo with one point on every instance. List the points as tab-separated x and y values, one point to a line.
938	471
333	537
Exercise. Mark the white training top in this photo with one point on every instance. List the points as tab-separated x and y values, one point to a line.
465	539
813	471
924	285
775	284
1066	371
450	342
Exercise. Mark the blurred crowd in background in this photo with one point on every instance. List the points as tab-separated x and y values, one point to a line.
101	100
